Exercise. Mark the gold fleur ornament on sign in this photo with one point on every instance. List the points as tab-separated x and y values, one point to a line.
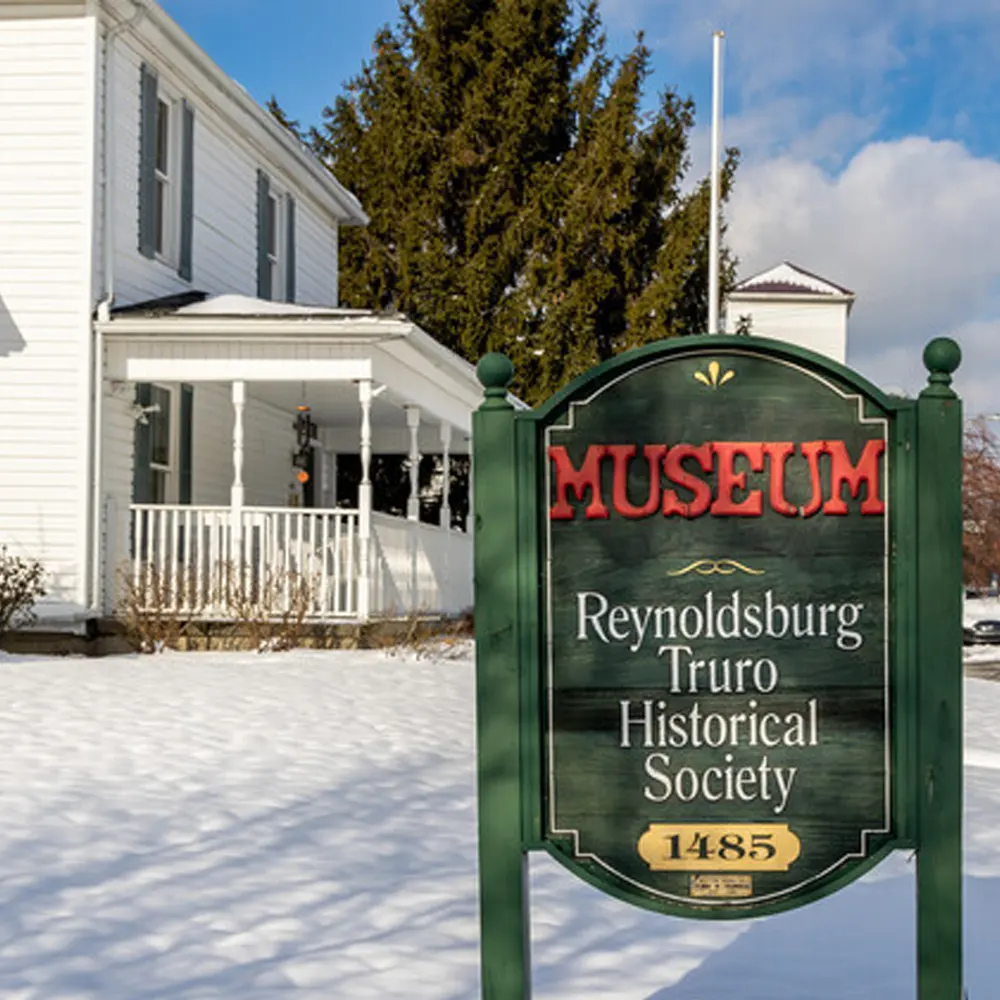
713	379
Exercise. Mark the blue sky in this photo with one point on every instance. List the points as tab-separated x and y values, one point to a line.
870	131
931	70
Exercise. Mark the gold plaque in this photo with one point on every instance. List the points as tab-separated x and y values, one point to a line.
719	847
722	886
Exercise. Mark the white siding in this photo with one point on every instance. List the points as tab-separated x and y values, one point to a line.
267	460
268	472
212	462
118	425
47	79
316	260
225	203
819	326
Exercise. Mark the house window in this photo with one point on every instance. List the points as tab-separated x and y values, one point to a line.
161	445
166	175
164	202
275	256
275	241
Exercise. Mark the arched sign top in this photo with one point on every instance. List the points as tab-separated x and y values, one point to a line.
612	369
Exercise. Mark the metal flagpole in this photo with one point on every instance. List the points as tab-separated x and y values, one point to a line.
713	226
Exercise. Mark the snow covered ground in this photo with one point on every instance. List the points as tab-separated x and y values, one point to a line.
302	825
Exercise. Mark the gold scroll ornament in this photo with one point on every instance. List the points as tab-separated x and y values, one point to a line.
719	847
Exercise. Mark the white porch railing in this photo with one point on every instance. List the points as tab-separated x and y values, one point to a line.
205	562
189	561
419	567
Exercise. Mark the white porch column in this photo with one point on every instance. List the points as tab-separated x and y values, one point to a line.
236	493
413	422
446	475
365	501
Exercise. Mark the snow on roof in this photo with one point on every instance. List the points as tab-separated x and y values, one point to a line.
789	279
247	305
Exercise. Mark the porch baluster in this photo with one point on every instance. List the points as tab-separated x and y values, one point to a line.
359	599
288	553
338	601
310	584
325	550
137	540
175	544
161	573
188	604
199	560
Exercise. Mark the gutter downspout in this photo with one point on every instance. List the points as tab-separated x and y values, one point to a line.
104	306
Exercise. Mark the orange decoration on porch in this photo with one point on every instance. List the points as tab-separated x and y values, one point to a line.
303	476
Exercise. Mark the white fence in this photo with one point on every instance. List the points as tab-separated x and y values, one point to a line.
419	567
202	562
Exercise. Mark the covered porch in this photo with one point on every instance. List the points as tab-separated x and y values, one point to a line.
280	460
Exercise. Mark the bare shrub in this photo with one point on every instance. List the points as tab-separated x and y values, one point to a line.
422	634
147	608
20	588
158	610
270	611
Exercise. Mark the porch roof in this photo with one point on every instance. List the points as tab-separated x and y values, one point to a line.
237	337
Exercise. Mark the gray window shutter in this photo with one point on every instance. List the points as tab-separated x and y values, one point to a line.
263	265
141	492
147	162
184	267
186	445
290	249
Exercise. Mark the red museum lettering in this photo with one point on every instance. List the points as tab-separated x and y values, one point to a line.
730	461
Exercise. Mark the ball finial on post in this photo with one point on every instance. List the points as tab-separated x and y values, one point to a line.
495	373
941	357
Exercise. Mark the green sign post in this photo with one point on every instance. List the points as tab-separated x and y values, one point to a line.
718	586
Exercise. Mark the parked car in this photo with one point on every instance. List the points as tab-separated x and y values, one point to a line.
986	631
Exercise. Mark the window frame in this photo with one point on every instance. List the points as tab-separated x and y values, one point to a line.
278	194
276	257
167	470
167	184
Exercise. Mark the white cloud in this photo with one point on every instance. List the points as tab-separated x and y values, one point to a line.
783	128
911	226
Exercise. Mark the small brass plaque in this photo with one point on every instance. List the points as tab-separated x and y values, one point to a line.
722	886
719	847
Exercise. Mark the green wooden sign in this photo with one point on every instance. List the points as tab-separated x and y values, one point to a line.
718	587
717	719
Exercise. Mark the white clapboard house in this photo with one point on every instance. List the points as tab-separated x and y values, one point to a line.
173	360
789	303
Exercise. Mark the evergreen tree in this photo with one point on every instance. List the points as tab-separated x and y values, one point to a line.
281	117
519	199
